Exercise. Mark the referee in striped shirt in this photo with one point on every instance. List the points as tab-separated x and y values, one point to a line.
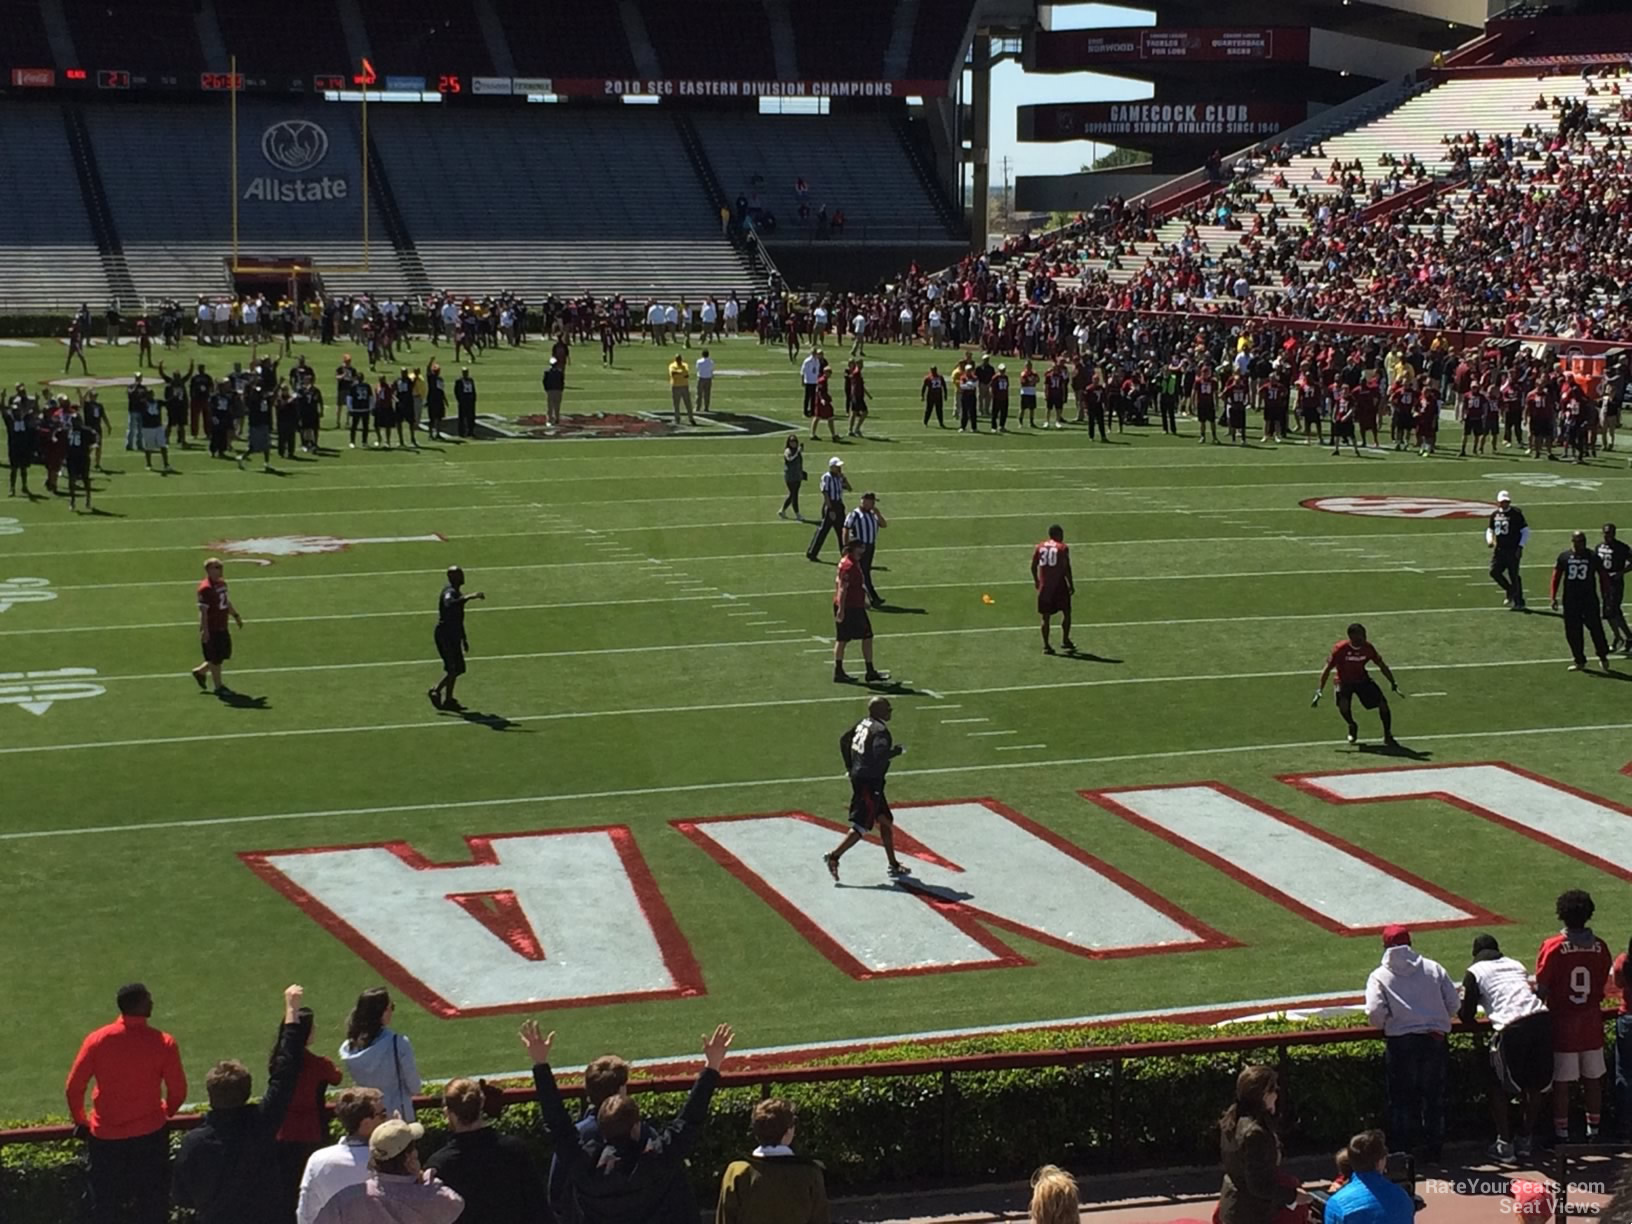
834	486
861	525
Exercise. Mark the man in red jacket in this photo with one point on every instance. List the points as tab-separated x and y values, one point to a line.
126	1147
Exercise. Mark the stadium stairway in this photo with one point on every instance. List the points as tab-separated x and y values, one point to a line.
402	242
715	194
852	162
120	288
918	155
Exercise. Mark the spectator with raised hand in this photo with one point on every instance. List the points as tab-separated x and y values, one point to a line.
1367	1196
492	1172
140	1084
227	1168
774	1185
1255	1190
304	1126
626	1174
377	1057
1413	1000
333	1168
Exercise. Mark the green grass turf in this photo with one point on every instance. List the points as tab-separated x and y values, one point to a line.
1191	562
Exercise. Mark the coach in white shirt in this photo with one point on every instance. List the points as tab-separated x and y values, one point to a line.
331	1169
810	370
711	317
818	322
654	322
733	308
704	370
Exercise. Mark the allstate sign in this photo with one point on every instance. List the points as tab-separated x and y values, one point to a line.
295	146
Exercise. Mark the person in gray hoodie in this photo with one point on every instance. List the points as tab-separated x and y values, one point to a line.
1413	1000
377	1057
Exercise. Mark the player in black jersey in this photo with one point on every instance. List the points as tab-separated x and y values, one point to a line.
1616	556
1579	572
96	420
1506	533
868	749
81	438
451	642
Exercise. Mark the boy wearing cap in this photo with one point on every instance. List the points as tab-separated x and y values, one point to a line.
397	1191
1413	1000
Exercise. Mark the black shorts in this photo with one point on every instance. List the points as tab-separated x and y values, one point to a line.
452	650
867	806
1367	692
1542	429
19	456
855	625
1521	1055
78	464
218	647
1474	427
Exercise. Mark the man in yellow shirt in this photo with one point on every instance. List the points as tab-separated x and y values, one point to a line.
680	387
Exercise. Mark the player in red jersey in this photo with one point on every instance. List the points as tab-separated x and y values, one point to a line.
850	622
214	607
1349	658
1051	571
1572	973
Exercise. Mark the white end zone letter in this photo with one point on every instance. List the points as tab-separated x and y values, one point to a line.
506	930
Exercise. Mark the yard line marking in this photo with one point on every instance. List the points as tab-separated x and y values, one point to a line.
1013	546
743	613
911	633
1430	694
975	734
1019	747
171	583
811	779
716	524
949	721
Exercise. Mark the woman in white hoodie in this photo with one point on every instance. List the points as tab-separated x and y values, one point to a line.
377	1057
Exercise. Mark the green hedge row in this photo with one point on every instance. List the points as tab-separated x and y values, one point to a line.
897	1133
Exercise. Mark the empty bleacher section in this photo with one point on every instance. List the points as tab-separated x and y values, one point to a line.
937	39
142	34
551	199
570	40
842	40
299	187
852	161
424	38
722	40
315	43
48	255
25	39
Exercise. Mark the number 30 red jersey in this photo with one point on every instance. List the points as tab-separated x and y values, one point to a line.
1572	977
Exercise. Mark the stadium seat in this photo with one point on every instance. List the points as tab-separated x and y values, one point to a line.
47	249
554	198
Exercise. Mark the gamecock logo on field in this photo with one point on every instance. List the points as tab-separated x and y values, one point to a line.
295	145
1401	507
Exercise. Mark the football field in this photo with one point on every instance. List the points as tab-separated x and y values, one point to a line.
653	655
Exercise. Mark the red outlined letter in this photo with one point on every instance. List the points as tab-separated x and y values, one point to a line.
1321	877
505	931
975	863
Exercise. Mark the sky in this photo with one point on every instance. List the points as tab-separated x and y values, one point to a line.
1012	87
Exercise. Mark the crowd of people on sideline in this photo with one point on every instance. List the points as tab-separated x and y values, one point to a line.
273	1160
